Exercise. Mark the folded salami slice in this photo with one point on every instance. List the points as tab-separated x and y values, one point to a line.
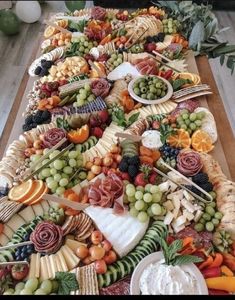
189	162
53	136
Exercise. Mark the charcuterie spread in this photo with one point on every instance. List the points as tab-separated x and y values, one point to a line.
115	165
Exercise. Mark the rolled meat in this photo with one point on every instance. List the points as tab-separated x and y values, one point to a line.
100	87
189	162
53	136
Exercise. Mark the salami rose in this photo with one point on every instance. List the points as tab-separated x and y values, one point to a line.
47	237
189	162
100	87
98	13
53	136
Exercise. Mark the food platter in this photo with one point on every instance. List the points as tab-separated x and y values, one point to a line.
90	161
153	258
154	101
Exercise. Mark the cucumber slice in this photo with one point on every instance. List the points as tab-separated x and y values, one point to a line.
101	281
115	273
122	268
79	148
108	278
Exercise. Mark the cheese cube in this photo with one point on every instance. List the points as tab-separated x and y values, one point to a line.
179	221
198	215
177	228
188	215
168	205
168	218
188	205
173	186
164	186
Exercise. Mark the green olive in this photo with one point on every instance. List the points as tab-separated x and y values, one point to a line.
206	216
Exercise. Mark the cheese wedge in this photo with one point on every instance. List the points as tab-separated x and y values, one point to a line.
71	260
43	269
123	231
73	245
62	261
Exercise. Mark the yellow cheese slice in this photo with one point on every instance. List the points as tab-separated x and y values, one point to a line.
58	264
73	245
43	269
53	265
49	269
37	271
71	260
32	266
62	261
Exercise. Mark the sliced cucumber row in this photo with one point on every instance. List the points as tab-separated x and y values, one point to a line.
92	141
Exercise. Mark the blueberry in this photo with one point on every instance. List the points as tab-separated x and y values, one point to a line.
29	251
38	70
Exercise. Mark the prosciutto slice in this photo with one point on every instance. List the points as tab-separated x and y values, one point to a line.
107	192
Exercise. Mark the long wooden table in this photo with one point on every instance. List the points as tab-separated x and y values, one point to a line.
224	147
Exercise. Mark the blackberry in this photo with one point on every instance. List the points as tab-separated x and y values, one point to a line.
161	36
47	64
125	158
43	72
133	170
208	187
37	118
28	120
149	39
155	39
200	178
38	70
134	160
46	115
123	166
26	127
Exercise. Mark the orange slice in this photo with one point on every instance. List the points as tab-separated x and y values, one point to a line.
201	141
180	140
36	191
49	31
22	191
40	197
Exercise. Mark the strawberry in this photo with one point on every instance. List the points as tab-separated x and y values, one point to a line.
97	132
153	178
103	115
141	180
19	272
95	121
125	176
156	125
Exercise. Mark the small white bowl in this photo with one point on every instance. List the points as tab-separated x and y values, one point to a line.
155	257
145	101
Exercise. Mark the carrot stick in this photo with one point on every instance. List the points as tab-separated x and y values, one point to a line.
206	263
217	262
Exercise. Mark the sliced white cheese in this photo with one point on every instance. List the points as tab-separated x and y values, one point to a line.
8	231
168	218
32	266
188	215
38	210
27	214
70	258
164	186
49	269
43	269
172	186
3	239
188	196
58	263
37	271
62	261
151	139
180	220
198	215
73	245
176	195
53	265
123	231
176	227
168	205
16	222
188	205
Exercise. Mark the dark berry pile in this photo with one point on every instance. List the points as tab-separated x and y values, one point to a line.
156	38
40	117
130	165
169	154
43	70
4	191
202	180
24	252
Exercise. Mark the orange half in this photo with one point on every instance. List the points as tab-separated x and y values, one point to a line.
179	140
22	191
39	197
36	191
201	141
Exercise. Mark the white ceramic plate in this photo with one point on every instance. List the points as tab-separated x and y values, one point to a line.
145	101
155	257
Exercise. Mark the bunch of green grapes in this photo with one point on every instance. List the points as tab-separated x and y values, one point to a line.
190	121
57	174
144	202
84	95
114	61
83	45
170	26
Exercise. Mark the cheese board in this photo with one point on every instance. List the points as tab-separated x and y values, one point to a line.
94	204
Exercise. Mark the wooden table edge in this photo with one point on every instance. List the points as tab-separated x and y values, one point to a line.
216	107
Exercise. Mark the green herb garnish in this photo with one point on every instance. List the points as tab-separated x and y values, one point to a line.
172	257
67	282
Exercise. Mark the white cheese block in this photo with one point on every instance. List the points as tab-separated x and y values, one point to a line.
38	210
180	221
62	261
188	196
49	269
32	266
172	186
123	231
73	245
188	205
176	195
198	215
16	222
8	231
38	260
43	269
53	265
188	215
168	218
27	214
70	258
58	263
3	239
151	139
164	186
168	205
177	228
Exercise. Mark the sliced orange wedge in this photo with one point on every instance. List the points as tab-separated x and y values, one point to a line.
49	31
36	191
201	141
22	191
179	140
40	197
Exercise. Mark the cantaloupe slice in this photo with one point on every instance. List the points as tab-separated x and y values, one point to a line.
36	191
21	192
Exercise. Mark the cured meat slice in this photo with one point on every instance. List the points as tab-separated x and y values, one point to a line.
98	13
100	87
53	136
47	237
121	287
189	162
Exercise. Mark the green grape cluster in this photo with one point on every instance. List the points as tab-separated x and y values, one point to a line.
144	202
83	45
114	61
170	26
84	95
190	121
58	173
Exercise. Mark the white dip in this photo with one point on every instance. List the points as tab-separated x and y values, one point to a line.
161	279
152	139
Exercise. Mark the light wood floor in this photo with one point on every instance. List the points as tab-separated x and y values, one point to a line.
16	50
